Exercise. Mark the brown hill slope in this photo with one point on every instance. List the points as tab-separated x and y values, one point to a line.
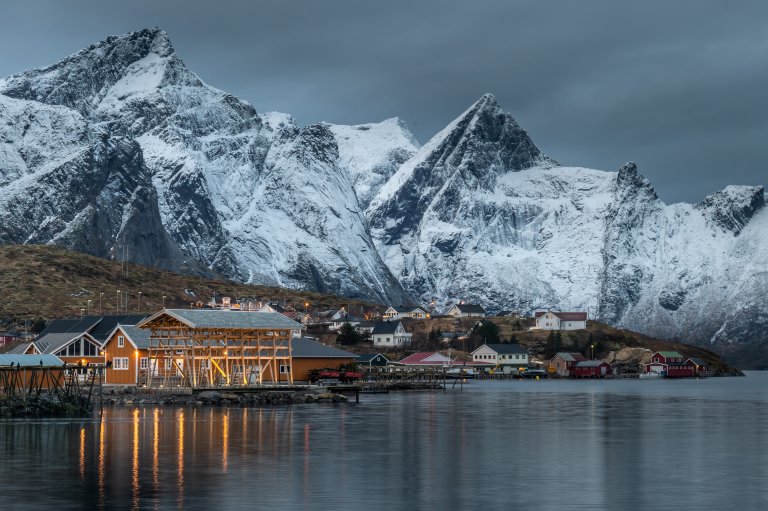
52	282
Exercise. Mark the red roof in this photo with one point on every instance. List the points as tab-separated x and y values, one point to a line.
565	316
422	359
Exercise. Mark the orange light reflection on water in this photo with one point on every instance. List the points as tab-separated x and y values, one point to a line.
156	450
102	458
82	454
180	464
135	462
225	443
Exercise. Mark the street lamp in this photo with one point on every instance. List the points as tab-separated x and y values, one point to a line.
163	301
89	307
118	301
82	311
138	307
100	297
592	346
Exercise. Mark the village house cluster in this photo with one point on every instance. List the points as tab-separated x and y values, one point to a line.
249	342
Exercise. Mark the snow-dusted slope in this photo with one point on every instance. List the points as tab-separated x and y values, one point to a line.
479	214
371	153
203	152
120	150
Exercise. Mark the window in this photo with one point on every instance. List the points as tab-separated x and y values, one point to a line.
120	341
89	349
143	363
285	369
168	364
120	363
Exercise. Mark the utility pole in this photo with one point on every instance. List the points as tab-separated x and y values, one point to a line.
101	295
138	307
117	303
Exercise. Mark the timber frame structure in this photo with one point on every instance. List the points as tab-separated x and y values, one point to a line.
214	348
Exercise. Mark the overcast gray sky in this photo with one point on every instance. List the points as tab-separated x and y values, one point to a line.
679	86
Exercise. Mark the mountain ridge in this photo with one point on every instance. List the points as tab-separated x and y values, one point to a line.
121	151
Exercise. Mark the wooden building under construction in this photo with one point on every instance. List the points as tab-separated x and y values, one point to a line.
212	348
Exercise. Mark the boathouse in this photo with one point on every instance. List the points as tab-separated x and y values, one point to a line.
562	363
214	348
670	364
308	354
591	369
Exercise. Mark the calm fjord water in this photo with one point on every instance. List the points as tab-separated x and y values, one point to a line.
598	445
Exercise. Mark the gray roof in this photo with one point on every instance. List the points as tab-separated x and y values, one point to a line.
19	349
197	318
53	342
698	361
570	357
139	336
303	347
7	359
507	349
385	327
470	308
590	363
367	357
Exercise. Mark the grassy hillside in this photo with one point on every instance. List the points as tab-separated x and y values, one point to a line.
51	282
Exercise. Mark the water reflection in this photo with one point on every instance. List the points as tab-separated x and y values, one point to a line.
550	445
135	462
180	463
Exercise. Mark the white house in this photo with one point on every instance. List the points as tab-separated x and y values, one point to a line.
550	320
509	357
466	310
404	312
390	334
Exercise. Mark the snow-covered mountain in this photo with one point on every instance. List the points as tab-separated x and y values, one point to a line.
256	199
120	151
479	214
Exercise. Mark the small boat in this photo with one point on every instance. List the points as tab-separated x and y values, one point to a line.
651	375
534	373
460	372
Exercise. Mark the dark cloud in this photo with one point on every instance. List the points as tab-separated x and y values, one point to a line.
677	87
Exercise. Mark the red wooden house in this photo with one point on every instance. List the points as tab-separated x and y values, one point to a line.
670	364
591	369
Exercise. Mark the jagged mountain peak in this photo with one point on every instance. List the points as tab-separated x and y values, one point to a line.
469	155
123	65
733	207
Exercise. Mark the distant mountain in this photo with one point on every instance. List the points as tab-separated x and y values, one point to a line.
121	152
